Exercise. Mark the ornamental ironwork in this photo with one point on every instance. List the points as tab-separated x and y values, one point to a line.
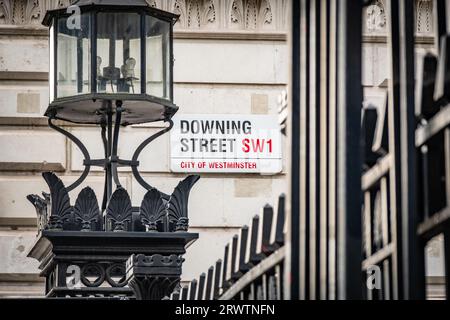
83	247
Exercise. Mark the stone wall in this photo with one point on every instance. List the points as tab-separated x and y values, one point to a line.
231	56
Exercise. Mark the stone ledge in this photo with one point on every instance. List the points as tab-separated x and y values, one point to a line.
18	222
33	31
31	166
23	76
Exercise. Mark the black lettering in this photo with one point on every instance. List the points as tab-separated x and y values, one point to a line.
184	145
232	141
247	127
207	127
236	127
184	126
195	127
220	127
204	145
213	145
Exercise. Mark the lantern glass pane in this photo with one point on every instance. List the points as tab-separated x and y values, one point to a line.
158	57
73	56
118	52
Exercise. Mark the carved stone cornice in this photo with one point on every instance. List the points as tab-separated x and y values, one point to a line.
214	19
27	12
214	15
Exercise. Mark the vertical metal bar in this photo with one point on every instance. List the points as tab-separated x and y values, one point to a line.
126	49
80	63
112	39
447	232
172	61
291	284
265	226
93	71
250	254
413	253
447	164
225	267
410	264
105	147
55	55
304	151
115	142
252	294
385	209
209	284
164	65
108	165
393	96
264	287
447	263
349	149
143	53
323	143
384	194
332	141
232	259
217	270
368	223
386	279
279	282
184	293
192	289
240	265
201	287
439	21
314	145
425	181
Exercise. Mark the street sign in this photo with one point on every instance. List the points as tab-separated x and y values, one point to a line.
219	143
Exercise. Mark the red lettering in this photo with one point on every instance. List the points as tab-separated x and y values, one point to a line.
246	147
258	145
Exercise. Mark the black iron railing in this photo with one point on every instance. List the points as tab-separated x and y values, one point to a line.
252	267
407	179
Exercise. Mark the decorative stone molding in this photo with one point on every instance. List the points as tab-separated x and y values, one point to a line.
217	15
210	17
424	15
27	12
376	18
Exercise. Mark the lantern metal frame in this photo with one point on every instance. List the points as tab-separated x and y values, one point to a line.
90	108
112	110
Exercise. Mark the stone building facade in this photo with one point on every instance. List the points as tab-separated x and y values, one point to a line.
231	57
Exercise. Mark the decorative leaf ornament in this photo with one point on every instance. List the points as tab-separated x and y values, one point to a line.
40	205
178	203
152	209
86	209
119	210
59	201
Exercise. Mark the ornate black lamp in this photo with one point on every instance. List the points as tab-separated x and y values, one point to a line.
111	65
108	52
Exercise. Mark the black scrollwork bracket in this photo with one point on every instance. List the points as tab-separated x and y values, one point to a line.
111	162
135	161
83	149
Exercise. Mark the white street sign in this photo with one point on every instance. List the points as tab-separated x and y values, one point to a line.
226	143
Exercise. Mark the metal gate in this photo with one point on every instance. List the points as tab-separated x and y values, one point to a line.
369	188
